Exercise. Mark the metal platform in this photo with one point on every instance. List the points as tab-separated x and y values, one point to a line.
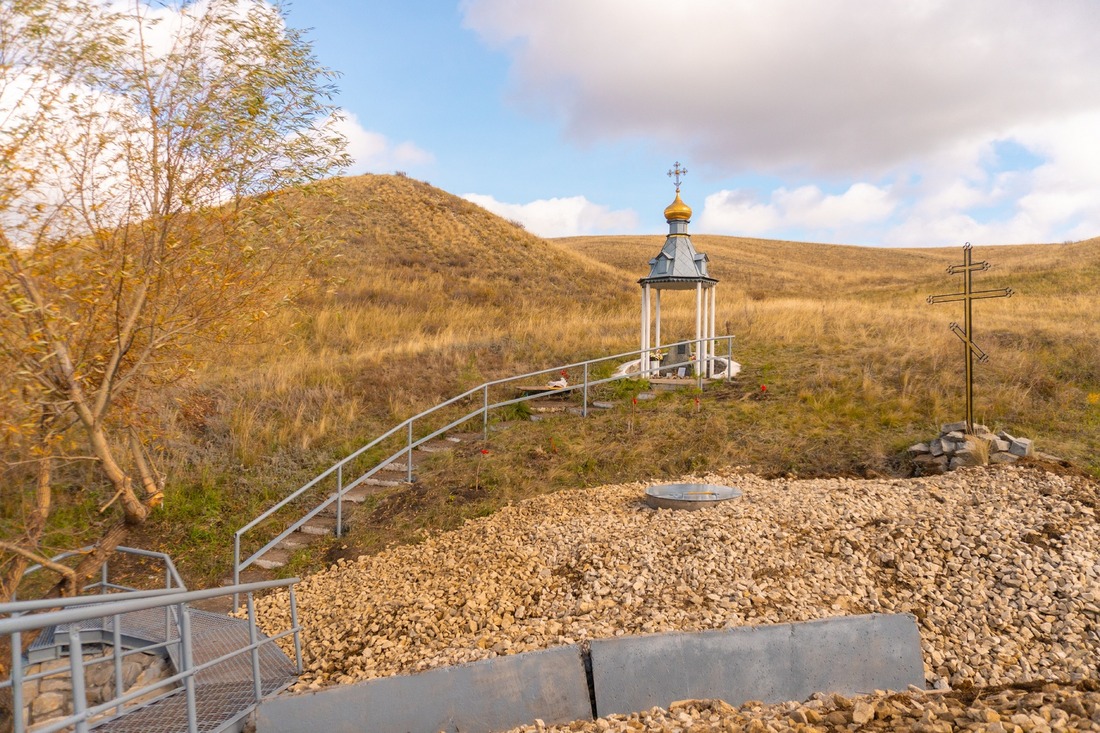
224	693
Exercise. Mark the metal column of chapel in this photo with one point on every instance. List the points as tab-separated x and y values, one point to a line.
679	267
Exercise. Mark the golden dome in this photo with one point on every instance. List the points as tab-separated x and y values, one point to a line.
678	210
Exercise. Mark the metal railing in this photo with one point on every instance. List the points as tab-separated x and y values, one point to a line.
172	579
74	611
483	410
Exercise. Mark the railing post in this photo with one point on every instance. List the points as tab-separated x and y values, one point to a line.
186	663
103	575
340	500
236	568
485	414
584	409
17	680
167	617
257	682
116	639
409	456
294	625
76	671
729	357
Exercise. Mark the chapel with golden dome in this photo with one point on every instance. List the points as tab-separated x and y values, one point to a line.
678	266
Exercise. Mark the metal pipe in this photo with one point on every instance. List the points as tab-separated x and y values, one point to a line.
116	639
294	626
236	567
17	680
129	605
729	358
76	672
584	409
340	500
186	663
409	456
39	604
257	682
485	414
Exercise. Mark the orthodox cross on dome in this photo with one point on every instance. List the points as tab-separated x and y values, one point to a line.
966	333
677	173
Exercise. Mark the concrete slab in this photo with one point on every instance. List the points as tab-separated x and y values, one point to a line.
849	655
491	695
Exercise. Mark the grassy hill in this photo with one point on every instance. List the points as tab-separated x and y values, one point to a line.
430	295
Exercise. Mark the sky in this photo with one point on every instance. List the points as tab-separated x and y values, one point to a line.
901	123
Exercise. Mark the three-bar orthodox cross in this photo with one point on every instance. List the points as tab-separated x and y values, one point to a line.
677	173
966	333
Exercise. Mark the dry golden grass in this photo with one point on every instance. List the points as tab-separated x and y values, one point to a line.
432	295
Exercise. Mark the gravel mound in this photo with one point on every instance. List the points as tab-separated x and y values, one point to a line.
1000	566
1045	708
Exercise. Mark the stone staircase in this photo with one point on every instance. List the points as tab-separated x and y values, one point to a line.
392	475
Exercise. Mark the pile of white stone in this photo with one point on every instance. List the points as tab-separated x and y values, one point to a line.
1046	708
957	448
1000	565
52	696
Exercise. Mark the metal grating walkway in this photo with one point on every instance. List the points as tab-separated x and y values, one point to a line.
224	693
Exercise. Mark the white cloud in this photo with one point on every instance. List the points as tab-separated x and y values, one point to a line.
902	103
737	212
373	151
560	217
844	85
831	217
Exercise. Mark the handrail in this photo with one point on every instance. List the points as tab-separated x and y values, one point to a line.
39	604
108	606
172	578
130	605
483	410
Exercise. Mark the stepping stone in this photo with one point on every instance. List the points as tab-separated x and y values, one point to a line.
296	540
251	574
646	396
316	527
273	558
385	483
603	405
359	494
434	447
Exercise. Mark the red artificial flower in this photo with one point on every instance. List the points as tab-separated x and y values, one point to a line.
484	451
763	388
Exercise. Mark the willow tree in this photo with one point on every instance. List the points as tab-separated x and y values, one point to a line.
150	163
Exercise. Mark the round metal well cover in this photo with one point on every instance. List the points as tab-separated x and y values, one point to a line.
688	496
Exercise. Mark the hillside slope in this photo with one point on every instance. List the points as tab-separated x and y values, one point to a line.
430	295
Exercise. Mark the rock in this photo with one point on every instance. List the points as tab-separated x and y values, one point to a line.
999	567
862	712
954	427
919	448
1020	447
48	705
